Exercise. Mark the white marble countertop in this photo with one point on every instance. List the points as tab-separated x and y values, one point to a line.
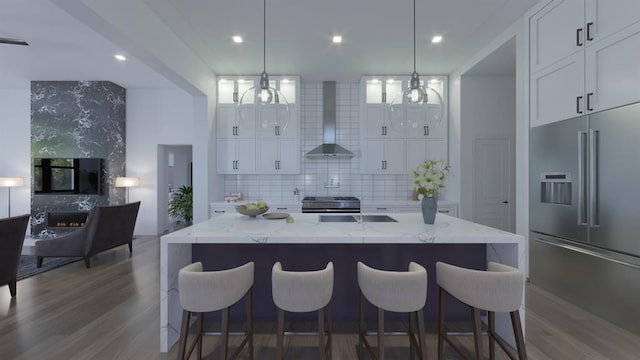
236	228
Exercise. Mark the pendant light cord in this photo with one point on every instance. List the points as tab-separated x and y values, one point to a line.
264	34
414	35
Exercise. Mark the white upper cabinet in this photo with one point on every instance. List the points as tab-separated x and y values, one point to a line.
388	124
583	58
255	139
556	32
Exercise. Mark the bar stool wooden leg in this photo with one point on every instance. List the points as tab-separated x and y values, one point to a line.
321	335
224	330
330	330
280	337
517	331
361	327
412	325
492	334
200	337
441	327
380	334
422	350
477	332
250	321
184	334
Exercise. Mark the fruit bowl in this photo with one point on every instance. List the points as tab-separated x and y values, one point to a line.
251	212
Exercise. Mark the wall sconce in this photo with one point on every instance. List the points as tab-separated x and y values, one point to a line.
127	182
10	182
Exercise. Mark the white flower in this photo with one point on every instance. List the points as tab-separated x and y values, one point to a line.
429	177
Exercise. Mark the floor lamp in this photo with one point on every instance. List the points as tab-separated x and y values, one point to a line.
127	182
10	182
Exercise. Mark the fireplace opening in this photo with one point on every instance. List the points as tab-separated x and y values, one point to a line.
66	219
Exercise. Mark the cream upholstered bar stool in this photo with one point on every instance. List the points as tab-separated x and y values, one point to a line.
499	289
206	291
304	291
397	291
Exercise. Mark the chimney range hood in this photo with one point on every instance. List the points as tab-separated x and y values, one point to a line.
329	149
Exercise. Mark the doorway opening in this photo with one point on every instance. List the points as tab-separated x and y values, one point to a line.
175	169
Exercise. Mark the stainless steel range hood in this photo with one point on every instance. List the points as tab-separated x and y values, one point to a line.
329	149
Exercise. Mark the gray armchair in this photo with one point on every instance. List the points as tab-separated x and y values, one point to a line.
12	232
107	227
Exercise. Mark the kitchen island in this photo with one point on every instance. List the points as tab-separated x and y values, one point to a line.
409	230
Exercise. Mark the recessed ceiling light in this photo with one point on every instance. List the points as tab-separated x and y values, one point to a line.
120	57
337	39
237	39
436	39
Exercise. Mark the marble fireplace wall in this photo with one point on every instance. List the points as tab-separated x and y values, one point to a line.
77	119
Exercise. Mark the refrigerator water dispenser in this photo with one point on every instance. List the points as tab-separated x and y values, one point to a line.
555	188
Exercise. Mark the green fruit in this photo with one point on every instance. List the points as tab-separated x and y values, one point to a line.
290	220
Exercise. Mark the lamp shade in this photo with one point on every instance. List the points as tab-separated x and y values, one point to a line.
122	181
11	181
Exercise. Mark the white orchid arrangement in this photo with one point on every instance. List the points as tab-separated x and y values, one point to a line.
429	177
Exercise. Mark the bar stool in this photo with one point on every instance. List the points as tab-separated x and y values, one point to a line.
499	289
305	291
396	291
206	291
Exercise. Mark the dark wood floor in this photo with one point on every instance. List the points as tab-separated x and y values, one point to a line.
111	311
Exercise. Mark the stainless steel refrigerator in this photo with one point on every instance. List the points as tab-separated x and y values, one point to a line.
585	212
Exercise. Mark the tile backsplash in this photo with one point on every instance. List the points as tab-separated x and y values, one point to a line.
325	177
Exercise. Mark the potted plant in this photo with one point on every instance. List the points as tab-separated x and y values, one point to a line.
429	178
181	204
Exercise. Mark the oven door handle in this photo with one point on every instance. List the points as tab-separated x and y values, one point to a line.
334	211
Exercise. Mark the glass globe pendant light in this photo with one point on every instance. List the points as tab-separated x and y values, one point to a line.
418	106
273	108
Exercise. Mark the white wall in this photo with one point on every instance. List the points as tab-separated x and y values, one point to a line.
154	117
15	147
459	159
487	111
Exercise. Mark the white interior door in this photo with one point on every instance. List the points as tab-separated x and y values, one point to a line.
492	205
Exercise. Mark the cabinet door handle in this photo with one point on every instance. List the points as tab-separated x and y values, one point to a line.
426	131
578	104
589	25
589	108
235	96
384	97
578	37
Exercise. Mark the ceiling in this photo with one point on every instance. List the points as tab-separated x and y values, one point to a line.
378	38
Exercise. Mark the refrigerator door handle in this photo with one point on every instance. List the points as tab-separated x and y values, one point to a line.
594	219
582	204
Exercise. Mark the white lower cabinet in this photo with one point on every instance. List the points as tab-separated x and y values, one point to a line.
219	208
444	207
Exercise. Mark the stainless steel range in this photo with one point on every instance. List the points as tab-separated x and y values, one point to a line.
330	204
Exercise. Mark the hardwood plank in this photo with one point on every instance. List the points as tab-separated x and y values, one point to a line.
111	311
